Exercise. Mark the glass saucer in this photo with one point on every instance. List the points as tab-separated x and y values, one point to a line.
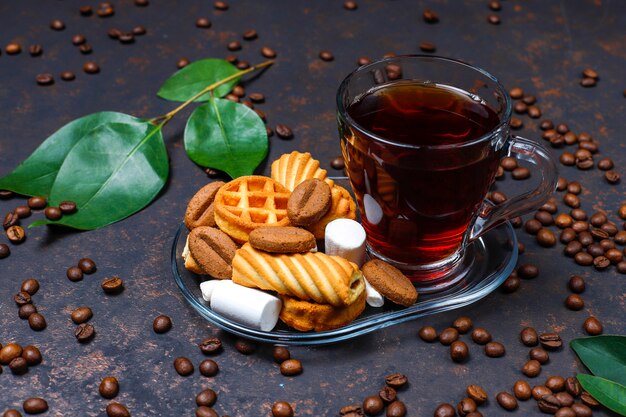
494	255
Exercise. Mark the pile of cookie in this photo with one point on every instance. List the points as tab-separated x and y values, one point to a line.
256	238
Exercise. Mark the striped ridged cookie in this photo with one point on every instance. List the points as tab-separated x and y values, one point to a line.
312	276
293	168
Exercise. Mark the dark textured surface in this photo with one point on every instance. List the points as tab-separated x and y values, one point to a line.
541	46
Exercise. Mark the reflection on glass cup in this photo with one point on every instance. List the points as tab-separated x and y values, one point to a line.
422	138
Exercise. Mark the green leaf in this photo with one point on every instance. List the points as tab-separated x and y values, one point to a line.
195	77
605	356
610	394
227	136
112	172
36	174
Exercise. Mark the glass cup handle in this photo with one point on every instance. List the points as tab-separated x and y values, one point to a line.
523	149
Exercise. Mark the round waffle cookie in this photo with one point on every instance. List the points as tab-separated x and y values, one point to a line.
249	202
305	315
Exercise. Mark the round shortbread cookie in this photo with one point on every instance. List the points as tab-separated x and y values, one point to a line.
390	282
200	210
213	251
282	239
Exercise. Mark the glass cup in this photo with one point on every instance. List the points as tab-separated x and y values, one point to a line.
422	137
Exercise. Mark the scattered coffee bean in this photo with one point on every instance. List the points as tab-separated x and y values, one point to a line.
117	410
466	406
572	386
494	349
555	383
87	265
32	355
481	336
588	400
81	315
337	163
84	332
11	219
593	326
601	262
462	324
588	82
430	16
508	163
582	410
206	412
516	123
528	271
563	221
282	409
426	46
162	324
574	302
373	405
5	251
22	211
268	52
549	404
571	200
529	337
387	394
459	351
91	67
206	398
532	368
583	259
546	237
396	409
494	19
511	284
291	367
539	355
67	76
445	410
220	5
10	352
182	62
428	334
612	177
57	24
550	341
477	393
26	310
283	131
13	48
539	391
22	298
35	50
208	368
114	33
74	274
126	38
37	322
565	399
109	387
18	366
520	173
35	405
30	286
234	46
210	346
448	335
139	30
506	401
544	218
45	79
183	366
245	347
522	390
112	285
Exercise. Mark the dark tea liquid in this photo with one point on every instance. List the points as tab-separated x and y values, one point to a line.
416	197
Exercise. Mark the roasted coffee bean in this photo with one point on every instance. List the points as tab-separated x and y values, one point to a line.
516	123
584	164
428	334
35	50
572	248
87	265
529	337
498	197
337	163
534	112
291	367
11	219
86	49
74	274
22	298
565	399
516	222
506	401
206	412
578	214
466	406
522	390
550	207
593	326
352	410
326	56
599	234
565	412
561	184
81	315
206	398
91	67
10	352
57	24
494	19
610	228
516	93
608	244
448	335
572	386
32	355
583	259
373	405
555	383
564	221
462	324
430	16
16	234
37	322
546	237
182	63
26	310
539	355
477	393
37	203
35	405
387	394
268	52
549	404
520	107
528	271
22	211
585	238
203	22
208	368
550	341
234	46
139	30
494	349
114	33
426	46
481	336
78	39
459	351
183	366
588	82
595	250
245	347
614	255
162	324
598	219
532	368
574	302
282	409
511	284
283	131
18	366
396	409
109	387
210	346
84	332
4	250
396	380
445	410
508	163
621	267
588	400
571	200
257	97
581	410
520	173
67	76
612	177
539	391
112	285
601	262
115	409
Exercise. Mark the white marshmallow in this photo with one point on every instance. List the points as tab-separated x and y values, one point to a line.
247	306
372	297
346	238
207	288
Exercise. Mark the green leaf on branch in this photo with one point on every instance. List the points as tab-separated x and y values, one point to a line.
110	173
227	136
610	394
193	78
605	356
36	174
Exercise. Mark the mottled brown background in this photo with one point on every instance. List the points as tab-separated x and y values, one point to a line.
541	46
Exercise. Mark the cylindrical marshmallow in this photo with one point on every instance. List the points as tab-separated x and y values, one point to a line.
207	288
372	297
247	306
346	238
